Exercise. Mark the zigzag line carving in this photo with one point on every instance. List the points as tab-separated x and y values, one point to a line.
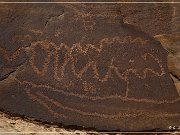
46	61
45	45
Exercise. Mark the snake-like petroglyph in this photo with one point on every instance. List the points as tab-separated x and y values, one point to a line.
107	116
33	85
68	58
83	65
43	103
59	70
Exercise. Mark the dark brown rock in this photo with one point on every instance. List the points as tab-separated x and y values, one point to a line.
152	18
75	65
172	45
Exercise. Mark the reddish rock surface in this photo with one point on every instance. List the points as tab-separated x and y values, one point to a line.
80	65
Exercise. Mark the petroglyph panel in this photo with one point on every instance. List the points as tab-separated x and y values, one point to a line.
75	66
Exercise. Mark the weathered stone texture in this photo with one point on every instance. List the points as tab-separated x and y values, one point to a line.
81	65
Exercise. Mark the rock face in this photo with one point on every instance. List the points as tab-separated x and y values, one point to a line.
153	18
171	44
18	126
74	65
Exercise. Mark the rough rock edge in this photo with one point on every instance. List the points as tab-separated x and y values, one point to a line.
13	124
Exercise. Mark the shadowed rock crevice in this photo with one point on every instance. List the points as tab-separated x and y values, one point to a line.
3	77
175	76
54	18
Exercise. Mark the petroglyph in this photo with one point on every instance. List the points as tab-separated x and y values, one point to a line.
43	103
27	83
44	46
85	68
88	16
21	38
68	57
106	116
88	23
89	87
59	68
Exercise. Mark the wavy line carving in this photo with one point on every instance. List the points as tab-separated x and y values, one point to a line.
43	103
25	83
45	45
95	114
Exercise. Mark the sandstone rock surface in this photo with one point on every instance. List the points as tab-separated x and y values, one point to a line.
77	66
